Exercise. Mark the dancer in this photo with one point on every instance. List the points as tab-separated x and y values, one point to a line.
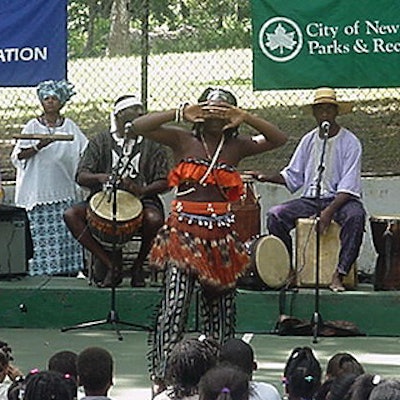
198	243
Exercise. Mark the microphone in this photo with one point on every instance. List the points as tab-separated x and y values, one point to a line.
325	125
127	127
108	187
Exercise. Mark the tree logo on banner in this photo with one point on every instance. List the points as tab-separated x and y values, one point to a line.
280	39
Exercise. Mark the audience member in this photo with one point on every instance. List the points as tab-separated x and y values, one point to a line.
363	386
95	372
343	363
46	385
64	362
302	374
189	360
241	354
339	388
8	372
341	371
224	382
386	390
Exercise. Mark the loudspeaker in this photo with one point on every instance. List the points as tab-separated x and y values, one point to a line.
13	252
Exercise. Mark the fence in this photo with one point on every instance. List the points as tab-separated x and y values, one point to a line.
164	80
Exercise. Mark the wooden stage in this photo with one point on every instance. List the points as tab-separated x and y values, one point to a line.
56	302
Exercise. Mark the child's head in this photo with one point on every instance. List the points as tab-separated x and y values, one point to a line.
95	370
239	353
64	362
187	363
224	382
343	363
47	385
302	374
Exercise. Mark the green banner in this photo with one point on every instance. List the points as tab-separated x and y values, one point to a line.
337	43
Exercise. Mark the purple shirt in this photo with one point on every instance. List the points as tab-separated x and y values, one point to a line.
342	163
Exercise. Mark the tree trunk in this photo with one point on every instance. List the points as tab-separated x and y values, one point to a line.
118	41
91	28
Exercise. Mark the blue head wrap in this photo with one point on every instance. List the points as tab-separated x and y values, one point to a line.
63	90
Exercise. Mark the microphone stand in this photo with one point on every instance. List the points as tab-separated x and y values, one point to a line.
317	322
112	317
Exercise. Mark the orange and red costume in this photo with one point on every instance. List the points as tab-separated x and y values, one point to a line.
200	237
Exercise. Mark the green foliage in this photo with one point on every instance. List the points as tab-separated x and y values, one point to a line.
176	26
189	39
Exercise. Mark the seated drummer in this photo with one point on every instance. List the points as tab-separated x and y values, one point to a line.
340	187
141	168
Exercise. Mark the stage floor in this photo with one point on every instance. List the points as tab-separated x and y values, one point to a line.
56	302
33	347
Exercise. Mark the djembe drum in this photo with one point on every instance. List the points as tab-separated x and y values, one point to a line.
247	212
386	239
128	219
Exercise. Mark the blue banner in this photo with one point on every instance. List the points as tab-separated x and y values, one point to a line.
33	41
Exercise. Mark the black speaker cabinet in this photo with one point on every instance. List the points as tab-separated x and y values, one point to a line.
13	252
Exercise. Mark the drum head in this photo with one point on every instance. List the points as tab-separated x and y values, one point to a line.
385	218
272	261
128	206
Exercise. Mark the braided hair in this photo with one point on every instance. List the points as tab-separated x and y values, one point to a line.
188	361
6	351
302	373
47	385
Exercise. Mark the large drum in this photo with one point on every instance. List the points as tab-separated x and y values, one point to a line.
328	255
269	267
386	239
247	212
101	219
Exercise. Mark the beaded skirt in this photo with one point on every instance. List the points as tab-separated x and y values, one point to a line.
204	243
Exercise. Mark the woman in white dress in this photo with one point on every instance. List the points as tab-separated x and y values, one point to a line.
45	181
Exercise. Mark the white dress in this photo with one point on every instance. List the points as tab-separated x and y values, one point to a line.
45	187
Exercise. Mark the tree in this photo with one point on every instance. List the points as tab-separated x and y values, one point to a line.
118	41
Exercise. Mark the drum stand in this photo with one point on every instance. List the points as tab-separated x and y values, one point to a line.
316	320
112	317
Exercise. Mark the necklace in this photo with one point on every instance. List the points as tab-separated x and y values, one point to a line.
206	148
212	159
51	127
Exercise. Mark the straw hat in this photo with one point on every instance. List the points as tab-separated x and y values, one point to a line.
326	95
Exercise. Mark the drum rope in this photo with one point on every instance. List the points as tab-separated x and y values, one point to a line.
95	208
305	246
